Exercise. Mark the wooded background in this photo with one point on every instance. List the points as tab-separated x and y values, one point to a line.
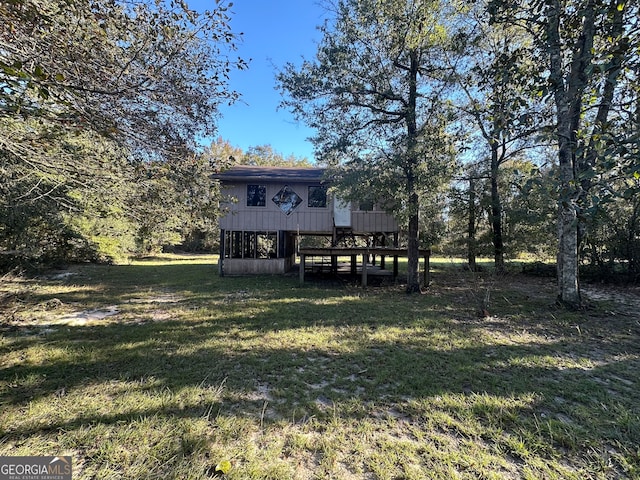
497	128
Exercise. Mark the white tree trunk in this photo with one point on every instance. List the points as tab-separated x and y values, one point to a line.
568	100
568	285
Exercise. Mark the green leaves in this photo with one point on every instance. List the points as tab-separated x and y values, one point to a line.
89	88
156	70
13	70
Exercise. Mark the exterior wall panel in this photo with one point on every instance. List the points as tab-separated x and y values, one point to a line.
270	217
373	221
303	218
244	266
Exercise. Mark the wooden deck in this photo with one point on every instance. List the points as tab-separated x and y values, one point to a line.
365	253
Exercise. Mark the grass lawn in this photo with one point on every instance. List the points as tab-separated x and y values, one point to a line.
161	369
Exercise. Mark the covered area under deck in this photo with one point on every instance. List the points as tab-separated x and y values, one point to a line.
365	253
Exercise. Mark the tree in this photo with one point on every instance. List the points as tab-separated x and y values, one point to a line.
148	75
157	209
143	79
527	211
375	96
496	78
529	208
463	213
585	45
265	155
45	216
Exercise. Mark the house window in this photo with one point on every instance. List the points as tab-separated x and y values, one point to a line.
256	195
234	244
251	244
287	200
267	245
317	196
366	206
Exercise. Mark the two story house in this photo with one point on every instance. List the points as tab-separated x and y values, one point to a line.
273	207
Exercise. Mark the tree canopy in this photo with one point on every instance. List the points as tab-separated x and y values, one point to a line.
380	95
90	89
512	108
589	49
148	75
374	96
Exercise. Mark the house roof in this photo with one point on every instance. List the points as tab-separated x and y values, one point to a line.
248	172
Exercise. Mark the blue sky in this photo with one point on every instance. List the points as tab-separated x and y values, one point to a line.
274	32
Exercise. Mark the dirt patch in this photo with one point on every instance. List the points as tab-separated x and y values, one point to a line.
617	300
86	317
167	297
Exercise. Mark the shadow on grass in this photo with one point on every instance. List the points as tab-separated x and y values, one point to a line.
303	381
313	352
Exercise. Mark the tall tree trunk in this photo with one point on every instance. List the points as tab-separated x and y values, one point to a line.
632	242
496	211
587	161
568	285
413	274
569	99
471	229
413	245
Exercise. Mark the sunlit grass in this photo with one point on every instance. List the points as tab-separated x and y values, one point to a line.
320	381
174	259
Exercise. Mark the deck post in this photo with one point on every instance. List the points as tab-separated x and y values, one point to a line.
222	251
365	256
354	253
427	275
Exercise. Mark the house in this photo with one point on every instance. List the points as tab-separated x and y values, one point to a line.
274	207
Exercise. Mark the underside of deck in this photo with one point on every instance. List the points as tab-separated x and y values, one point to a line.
326	259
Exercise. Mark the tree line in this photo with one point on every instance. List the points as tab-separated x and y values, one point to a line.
487	127
533	101
102	108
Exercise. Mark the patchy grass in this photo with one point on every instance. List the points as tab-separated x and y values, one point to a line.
161	369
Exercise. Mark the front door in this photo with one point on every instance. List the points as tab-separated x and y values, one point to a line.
341	212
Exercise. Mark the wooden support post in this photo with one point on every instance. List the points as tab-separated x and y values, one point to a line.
427	275
222	251
365	256
395	257
354	264
303	258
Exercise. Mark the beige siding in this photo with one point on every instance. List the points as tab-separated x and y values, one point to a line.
270	217
374	221
303	218
244	266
